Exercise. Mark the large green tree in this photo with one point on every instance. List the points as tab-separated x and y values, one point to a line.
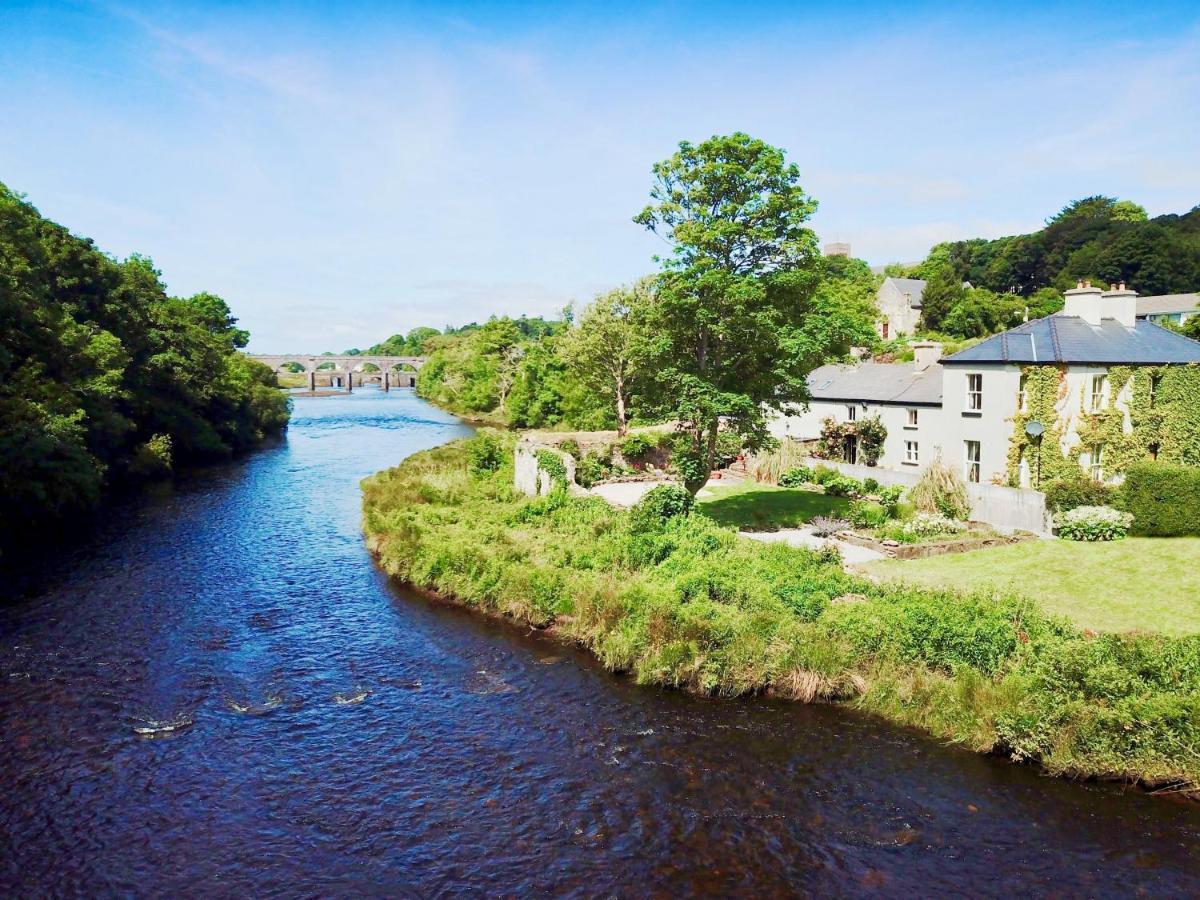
602	348
737	322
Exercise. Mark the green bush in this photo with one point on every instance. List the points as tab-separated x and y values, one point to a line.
1079	490
870	486
1163	498
1093	523
636	447
153	458
841	486
889	499
863	514
796	477
485	453
729	447
664	502
571	446
822	474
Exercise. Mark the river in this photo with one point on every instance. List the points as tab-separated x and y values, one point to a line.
334	734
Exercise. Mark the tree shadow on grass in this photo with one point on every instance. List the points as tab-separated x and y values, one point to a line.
767	510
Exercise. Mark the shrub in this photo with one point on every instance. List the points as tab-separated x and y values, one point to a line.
729	447
1078	490
485	453
571	446
1093	523
867	515
1163	498
870	486
667	501
889	499
841	486
927	525
153	458
941	490
636	446
551	463
822	474
825	526
796	477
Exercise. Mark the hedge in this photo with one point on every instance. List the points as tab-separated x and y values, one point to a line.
1164	499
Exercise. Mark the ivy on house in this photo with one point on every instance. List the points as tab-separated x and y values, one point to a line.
551	463
1159	418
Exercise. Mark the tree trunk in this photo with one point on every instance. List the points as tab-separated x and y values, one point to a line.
622	425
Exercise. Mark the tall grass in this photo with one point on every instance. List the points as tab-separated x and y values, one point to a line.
769	465
689	604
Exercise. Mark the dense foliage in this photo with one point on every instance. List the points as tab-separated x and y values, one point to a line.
1098	238
1093	523
104	377
1163	498
688	604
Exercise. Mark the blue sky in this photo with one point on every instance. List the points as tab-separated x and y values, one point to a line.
341	172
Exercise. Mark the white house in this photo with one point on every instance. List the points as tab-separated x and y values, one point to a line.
965	407
899	302
1173	309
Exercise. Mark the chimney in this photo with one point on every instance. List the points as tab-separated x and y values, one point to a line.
1120	303
925	354
1084	301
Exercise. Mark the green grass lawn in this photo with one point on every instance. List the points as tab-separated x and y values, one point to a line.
1148	584
764	507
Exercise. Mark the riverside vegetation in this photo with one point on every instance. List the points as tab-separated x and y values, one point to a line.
105	379
677	600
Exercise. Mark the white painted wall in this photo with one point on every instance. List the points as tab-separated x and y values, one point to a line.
806	426
894	307
991	426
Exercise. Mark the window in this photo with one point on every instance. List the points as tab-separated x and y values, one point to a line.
1023	395
973	468
912	453
1096	462
851	413
974	393
912	419
1096	397
885	329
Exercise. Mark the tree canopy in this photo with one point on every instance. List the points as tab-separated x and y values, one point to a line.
105	378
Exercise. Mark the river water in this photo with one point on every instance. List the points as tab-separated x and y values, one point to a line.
218	693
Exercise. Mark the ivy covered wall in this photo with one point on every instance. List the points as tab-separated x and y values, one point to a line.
1150	411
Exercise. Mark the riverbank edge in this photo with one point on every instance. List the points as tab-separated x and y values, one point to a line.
901	696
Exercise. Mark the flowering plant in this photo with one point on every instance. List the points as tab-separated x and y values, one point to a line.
1093	523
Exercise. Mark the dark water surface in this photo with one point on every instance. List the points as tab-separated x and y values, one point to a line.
349	737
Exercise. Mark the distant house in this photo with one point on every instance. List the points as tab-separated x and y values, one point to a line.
899	302
1173	309
1104	388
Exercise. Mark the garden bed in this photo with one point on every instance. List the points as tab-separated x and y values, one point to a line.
939	547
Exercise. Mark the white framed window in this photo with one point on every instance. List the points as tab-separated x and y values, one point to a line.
973	469
852	413
1099	388
912	453
1023	395
974	392
912	419
1096	462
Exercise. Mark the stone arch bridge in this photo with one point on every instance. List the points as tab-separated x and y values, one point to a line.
347	371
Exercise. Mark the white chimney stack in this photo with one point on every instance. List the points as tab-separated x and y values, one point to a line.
1121	304
1084	301
925	354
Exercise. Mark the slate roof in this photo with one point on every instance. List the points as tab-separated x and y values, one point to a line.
1165	304
1069	339
914	287
896	384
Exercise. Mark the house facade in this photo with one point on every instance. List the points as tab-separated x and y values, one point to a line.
899	303
1092	388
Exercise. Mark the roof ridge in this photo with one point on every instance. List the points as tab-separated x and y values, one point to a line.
1055	346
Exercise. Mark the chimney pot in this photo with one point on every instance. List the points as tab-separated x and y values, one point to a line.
1079	285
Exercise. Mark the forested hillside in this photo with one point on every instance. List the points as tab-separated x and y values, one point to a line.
1101	239
104	378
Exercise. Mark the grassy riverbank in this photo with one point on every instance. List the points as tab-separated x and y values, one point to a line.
689	604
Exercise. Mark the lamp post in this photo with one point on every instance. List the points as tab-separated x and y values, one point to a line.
1035	430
